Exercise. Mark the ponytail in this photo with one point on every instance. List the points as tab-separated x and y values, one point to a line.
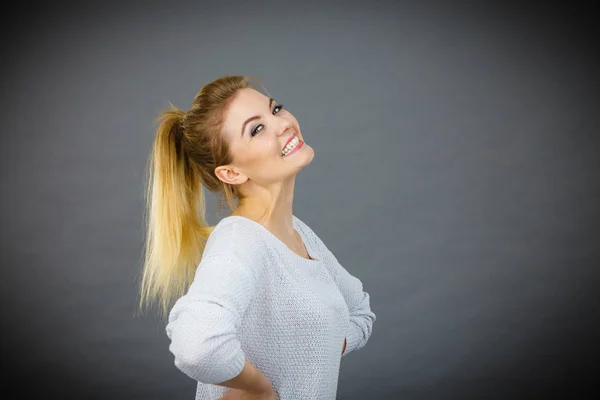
176	229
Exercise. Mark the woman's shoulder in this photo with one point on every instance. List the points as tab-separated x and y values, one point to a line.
235	241
300	223
306	230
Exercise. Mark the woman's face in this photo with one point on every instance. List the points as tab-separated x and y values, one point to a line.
258	129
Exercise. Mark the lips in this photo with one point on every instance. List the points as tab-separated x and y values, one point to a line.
289	140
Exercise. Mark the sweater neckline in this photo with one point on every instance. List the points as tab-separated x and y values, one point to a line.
305	242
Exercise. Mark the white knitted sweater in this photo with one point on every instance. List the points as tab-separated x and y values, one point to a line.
254	298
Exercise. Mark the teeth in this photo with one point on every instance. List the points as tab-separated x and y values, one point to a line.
293	143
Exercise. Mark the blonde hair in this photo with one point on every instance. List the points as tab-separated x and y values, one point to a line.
187	148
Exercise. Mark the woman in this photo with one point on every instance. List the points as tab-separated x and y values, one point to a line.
263	310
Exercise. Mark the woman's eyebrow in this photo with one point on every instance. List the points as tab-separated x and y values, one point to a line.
271	100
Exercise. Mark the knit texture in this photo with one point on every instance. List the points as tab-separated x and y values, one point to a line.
254	298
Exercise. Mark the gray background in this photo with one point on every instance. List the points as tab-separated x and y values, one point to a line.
456	173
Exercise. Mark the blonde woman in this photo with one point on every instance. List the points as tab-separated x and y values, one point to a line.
261	309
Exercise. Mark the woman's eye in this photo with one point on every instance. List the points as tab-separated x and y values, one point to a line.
254	131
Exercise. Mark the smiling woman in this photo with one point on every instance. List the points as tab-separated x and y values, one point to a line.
242	288
266	128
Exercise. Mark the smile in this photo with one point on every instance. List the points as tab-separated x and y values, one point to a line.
294	145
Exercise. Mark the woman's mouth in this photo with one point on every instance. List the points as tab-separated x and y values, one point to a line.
294	145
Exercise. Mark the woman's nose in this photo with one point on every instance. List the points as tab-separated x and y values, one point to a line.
285	128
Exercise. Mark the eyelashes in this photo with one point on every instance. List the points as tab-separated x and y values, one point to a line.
254	132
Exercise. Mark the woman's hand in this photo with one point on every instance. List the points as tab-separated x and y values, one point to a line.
238	394
344	349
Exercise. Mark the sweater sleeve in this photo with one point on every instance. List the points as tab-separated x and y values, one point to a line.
362	318
203	323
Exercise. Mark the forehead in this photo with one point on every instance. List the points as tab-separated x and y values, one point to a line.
245	104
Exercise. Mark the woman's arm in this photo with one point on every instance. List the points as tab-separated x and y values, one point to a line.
203	323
